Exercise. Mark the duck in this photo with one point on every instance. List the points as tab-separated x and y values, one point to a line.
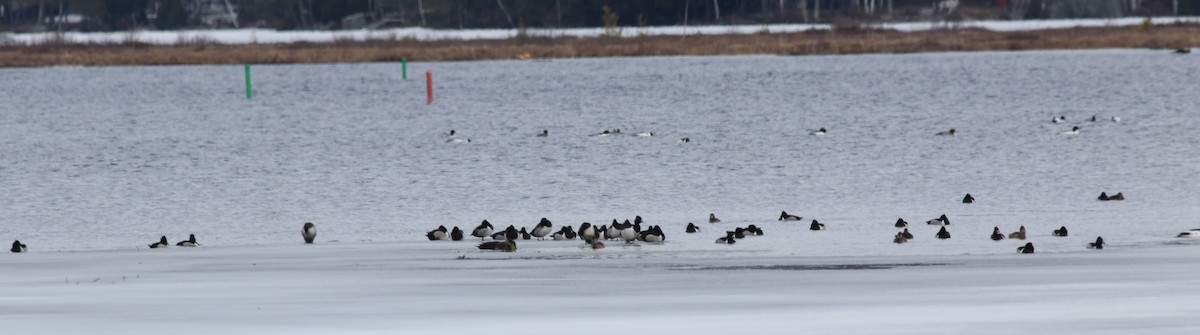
614	230
190	242
1073	131
1059	119
816	225
968	199
754	230
162	243
524	234
483	230
511	233
1182	51
950	132
653	235
1116	119
1019	234
1093	118
1061	231
685	140
458	140
1103	197
456	234
309	232
784	216
996	235
506	246
1117	197
739	233
18	247
1027	249
1194	233
452	133
712	218
607	132
907	235
438	234
566	233
1099	244
940	221
943	234
597	245
644	134
900	223
899	238
628	233
587	233
544	133
818	132
691	228
728	239
542	229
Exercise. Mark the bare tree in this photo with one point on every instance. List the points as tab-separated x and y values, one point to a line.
421	10
717	8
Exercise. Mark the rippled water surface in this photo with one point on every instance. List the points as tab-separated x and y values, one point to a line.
109	158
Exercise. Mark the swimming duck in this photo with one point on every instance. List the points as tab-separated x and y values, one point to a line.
816	225
1117	197
899	238
900	223
1073	131
1059	119
968	199
309	232
544	133
728	239
458	140
788	217
754	230
950	132
644	134
685	140
1019	234
162	243
996	235
1116	119
907	235
943	234
940	221
1103	197
691	228
1027	249
190	242
712	218
1061	231
818	132
1099	244
18	247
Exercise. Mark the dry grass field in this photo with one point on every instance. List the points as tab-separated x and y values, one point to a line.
846	40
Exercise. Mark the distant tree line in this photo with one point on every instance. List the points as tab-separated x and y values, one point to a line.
456	14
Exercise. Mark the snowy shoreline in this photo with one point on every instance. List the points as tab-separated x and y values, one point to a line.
268	36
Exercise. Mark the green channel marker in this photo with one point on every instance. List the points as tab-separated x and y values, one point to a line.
249	90
404	67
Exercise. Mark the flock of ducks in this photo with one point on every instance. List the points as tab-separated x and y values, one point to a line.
630	232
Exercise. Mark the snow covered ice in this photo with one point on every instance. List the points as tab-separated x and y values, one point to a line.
96	163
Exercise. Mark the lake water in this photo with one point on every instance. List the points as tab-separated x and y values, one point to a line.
113	157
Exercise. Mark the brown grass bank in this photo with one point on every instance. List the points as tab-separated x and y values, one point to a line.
845	41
